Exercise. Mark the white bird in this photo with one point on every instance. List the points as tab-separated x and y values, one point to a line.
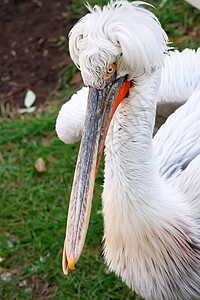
151	196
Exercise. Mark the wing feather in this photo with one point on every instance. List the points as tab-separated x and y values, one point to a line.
177	143
180	76
189	184
71	117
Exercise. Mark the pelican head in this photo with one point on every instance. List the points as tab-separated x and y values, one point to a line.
111	46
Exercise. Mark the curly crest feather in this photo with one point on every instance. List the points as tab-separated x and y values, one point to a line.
121	32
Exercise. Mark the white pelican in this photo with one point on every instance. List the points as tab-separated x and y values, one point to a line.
151	196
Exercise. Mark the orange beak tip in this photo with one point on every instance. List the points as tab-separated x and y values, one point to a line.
71	263
70	266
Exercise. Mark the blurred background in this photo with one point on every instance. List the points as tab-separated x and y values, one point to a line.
36	169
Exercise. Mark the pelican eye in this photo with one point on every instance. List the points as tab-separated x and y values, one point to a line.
110	70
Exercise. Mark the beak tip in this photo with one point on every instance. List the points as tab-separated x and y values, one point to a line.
64	261
71	263
66	270
67	264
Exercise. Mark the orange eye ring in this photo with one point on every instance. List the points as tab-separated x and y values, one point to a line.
110	70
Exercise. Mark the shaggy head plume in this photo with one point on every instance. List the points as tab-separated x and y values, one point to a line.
121	32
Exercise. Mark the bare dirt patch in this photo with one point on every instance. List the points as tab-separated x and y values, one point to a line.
30	57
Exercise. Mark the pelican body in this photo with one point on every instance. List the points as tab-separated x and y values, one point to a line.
151	193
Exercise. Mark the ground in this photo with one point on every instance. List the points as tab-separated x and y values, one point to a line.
33	48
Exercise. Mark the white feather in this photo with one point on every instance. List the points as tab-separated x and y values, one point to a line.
103	37
177	142
70	120
145	219
180	77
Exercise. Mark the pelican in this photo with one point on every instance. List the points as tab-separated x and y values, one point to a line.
151	193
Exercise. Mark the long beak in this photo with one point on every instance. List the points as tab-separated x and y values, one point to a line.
100	109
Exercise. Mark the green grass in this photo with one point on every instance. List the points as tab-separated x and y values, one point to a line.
33	218
33	206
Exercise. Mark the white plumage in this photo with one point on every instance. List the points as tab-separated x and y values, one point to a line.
70	121
179	80
180	76
151	196
177	142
